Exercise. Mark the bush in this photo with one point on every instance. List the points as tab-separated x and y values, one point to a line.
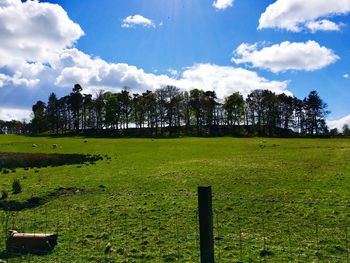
4	195
16	186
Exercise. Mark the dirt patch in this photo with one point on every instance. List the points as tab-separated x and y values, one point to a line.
31	160
33	202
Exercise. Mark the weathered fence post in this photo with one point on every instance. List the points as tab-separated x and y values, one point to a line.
206	224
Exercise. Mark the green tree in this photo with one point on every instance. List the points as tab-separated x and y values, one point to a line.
39	122
270	110
53	113
139	110
334	132
99	105
315	112
299	114
346	130
125	100
234	107
287	110
112	110
255	105
76	101
196	106
87	108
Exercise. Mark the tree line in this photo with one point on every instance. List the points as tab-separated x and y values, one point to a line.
168	111
14	127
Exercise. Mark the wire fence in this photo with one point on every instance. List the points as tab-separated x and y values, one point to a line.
131	227
272	230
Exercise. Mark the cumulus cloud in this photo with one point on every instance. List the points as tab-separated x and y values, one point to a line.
298	15
16	80
323	25
173	72
346	76
32	34
226	80
33	31
222	4
56	65
308	56
77	67
339	123
8	114
137	20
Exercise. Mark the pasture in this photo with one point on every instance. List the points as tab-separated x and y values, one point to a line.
274	200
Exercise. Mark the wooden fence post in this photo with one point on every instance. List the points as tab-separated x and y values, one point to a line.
206	224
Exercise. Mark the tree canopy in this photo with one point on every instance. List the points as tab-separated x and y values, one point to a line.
168	111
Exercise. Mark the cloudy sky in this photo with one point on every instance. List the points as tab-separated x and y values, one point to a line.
291	46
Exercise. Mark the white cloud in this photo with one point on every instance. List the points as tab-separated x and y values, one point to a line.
222	4
297	15
96	73
52	64
8	114
16	80
308	56
138	20
77	66
32	35
323	25
173	72
34	31
339	123
226	80
346	76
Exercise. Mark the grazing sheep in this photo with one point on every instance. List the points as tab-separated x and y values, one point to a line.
85	141
34	145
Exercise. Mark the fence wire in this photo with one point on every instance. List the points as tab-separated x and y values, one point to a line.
136	227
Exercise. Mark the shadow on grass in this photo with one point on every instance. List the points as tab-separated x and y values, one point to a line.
33	202
12	160
6	255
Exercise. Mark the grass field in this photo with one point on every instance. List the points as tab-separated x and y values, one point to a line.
139	203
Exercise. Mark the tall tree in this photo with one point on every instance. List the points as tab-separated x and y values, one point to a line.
346	130
234	107
196	99
255	105
99	105
112	110
209	104
53	113
270	110
76	101
139	110
315	112
287	110
39	122
87	108
299	114
125	100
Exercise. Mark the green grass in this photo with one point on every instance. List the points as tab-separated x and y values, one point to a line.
129	203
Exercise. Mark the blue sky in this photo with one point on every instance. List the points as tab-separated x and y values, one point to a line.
193	37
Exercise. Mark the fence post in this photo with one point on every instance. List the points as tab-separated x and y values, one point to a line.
206	224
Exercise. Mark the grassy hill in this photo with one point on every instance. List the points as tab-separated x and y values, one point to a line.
275	199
